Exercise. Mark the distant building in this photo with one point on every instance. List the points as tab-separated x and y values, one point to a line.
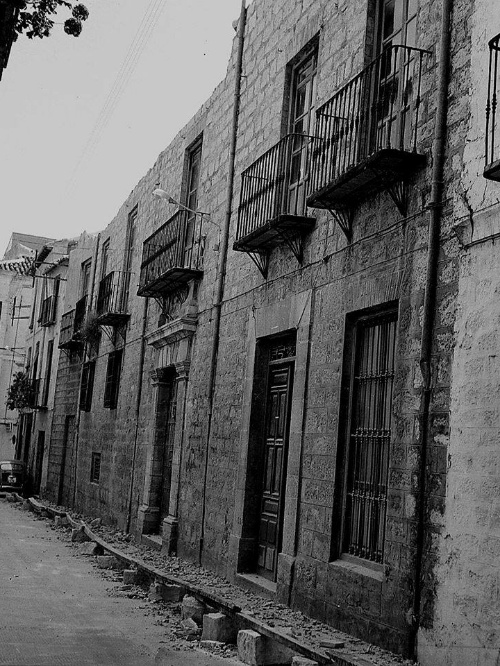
42	355
16	293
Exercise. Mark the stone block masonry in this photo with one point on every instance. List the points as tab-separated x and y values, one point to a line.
218	627
257	650
194	476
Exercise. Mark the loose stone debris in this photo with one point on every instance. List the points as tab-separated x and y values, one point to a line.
193	623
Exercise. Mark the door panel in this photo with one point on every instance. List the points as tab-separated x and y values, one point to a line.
275	451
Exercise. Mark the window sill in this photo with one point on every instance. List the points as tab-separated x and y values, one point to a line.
358	566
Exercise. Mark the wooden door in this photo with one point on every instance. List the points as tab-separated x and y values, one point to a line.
275	445
167	434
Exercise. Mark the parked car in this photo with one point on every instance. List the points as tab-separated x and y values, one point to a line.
12	476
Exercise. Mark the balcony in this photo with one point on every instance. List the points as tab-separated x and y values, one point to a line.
272	208
67	337
492	152
112	299
368	133
71	325
48	311
80	312
172	255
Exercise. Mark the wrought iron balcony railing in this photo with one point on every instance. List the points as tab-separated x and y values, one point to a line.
67	338
47	311
172	255
368	130
492	137
273	196
112	299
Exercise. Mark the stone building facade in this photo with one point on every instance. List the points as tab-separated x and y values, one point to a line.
16	296
48	279
268	349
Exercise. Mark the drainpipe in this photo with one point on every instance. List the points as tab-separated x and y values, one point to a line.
221	268
137	411
435	214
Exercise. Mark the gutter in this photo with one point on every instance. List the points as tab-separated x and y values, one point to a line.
435	212
221	268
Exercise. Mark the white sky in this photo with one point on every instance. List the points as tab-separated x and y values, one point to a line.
53	90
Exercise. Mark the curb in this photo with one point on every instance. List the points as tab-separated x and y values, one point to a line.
242	620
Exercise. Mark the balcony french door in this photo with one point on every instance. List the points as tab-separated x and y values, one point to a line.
192	234
302	116
393	84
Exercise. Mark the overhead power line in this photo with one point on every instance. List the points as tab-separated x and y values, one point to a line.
128	66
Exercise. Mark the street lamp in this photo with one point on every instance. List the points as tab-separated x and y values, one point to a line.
14	350
161	194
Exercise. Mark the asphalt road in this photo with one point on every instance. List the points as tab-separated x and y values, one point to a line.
57	610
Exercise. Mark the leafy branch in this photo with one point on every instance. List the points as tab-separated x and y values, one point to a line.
35	18
20	392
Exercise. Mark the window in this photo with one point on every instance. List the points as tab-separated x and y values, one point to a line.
397	23
396	33
127	260
87	386
193	182
85	278
113	379
104	259
48	372
372	360
303	93
48	301
492	145
301	121
95	467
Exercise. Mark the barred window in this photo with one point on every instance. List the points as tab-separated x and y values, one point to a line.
113	379
369	436
87	385
95	467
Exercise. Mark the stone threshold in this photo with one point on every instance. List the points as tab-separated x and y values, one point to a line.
153	541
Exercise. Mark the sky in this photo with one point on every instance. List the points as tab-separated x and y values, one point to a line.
83	119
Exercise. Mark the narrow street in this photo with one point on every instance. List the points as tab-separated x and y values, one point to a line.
57	609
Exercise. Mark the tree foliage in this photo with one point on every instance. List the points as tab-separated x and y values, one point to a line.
36	17
20	393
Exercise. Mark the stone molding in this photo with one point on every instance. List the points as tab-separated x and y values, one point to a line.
173	331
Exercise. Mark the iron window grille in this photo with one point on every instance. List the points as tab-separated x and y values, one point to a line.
95	467
369	438
87	386
113	379
492	140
